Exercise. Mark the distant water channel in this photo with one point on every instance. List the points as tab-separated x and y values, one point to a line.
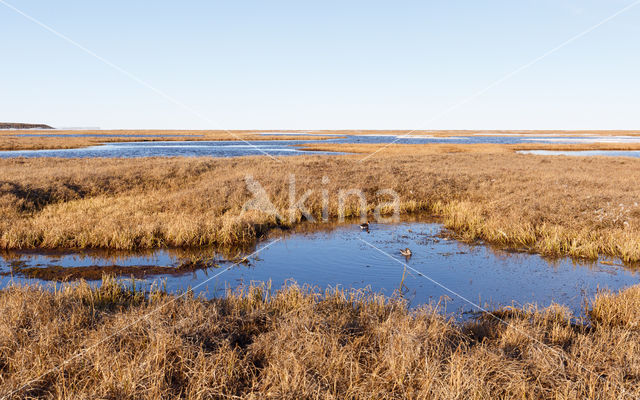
278	148
584	153
347	257
275	148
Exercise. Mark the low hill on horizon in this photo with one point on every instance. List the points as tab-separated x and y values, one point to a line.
18	125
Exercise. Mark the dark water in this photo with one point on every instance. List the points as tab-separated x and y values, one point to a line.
349	258
584	153
279	148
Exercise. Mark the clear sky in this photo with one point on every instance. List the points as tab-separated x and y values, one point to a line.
322	64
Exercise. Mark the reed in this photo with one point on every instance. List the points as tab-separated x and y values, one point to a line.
297	342
581	207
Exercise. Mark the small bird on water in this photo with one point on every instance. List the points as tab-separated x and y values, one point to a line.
365	226
406	252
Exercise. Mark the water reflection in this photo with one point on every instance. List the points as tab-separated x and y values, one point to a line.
344	257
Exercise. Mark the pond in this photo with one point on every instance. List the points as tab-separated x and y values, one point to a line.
439	270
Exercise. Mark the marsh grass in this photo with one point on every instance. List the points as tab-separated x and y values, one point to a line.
440	148
298	342
581	207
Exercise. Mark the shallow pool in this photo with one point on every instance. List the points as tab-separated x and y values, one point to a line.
439	270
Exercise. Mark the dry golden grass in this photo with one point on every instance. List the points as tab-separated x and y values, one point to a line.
299	344
294	343
577	146
490	132
403	149
439	148
573	206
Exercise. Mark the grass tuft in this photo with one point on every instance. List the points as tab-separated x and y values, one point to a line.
297	342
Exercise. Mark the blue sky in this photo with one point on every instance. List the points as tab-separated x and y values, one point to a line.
322	65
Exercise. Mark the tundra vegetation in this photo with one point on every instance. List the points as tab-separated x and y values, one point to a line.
575	206
297	343
113	341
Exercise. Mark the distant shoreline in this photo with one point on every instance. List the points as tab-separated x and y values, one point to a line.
18	125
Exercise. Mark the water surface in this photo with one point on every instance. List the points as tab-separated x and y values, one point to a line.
347	257
275	148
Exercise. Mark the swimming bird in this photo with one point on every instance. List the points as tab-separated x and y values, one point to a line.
365	226
406	252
